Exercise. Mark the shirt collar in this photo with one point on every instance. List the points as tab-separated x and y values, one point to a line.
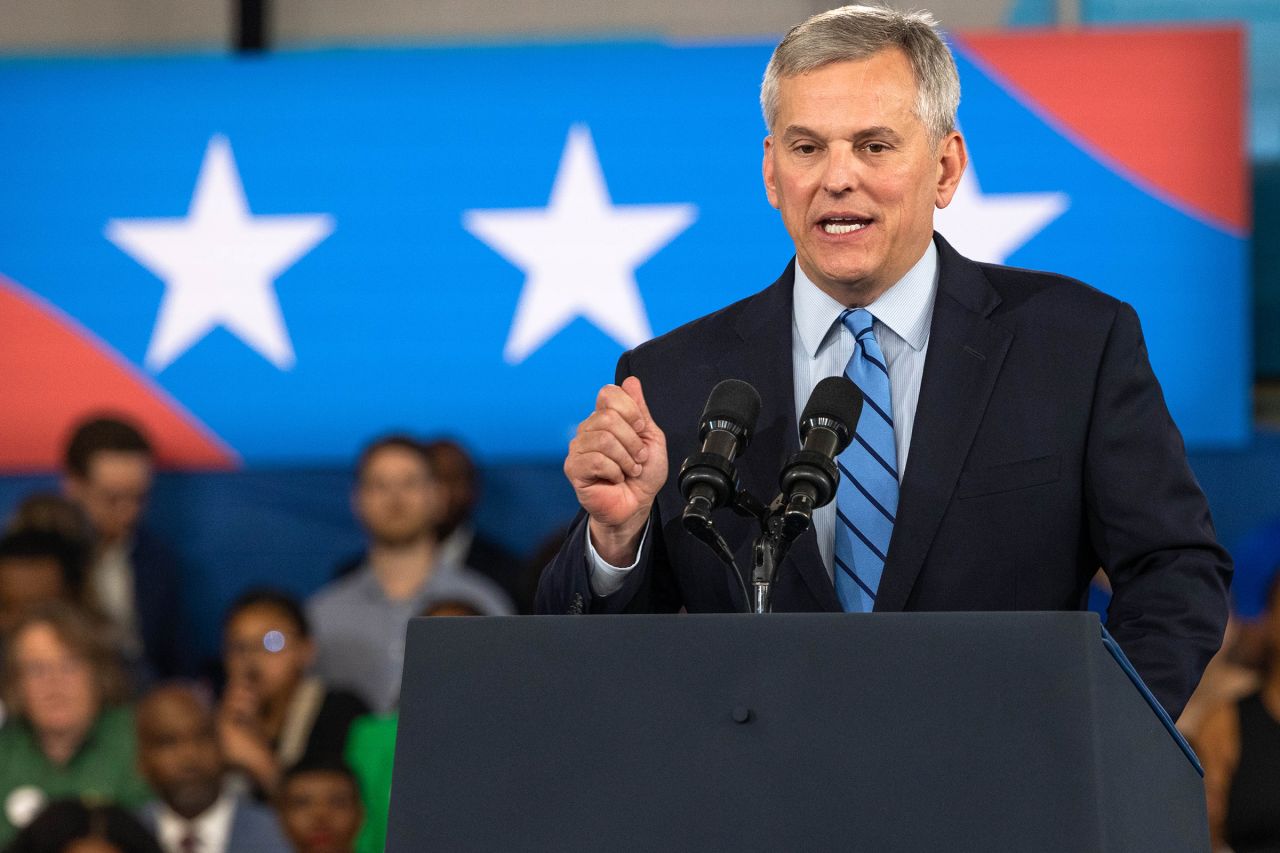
905	308
212	826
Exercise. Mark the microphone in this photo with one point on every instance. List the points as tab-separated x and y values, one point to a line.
810	476
708	479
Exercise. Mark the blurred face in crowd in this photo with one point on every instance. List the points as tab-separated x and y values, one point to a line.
113	492
397	499
26	582
855	174
266	650
453	471
56	685
178	750
451	608
321	812
91	845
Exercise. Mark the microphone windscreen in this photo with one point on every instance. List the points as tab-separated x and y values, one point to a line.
735	401
837	398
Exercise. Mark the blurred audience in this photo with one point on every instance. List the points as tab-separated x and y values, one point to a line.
36	567
273	714
196	810
371	746
1231	674
460	543
133	579
56	514
360	619
319	806
65	735
74	826
1239	746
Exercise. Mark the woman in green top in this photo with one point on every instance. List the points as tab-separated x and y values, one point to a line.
65	734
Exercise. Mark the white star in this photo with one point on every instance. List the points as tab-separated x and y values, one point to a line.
218	264
990	228
579	253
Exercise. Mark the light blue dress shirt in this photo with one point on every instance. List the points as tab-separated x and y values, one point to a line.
820	347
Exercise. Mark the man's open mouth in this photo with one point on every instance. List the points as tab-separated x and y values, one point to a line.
843	224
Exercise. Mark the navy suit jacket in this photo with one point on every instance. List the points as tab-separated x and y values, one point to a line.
1042	449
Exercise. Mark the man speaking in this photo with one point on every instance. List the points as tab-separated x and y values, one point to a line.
1012	437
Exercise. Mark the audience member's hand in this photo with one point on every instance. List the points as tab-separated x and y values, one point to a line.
239	732
616	464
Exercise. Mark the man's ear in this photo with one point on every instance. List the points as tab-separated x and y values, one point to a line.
952	160
770	187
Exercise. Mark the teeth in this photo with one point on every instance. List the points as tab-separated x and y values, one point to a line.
838	226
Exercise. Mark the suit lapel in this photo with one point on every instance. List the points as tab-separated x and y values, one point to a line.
762	357
966	351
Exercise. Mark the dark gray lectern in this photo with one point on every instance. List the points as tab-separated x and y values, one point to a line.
881	732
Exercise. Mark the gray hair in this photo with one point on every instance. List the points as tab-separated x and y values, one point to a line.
858	32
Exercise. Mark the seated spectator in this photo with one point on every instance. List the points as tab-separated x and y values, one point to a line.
36	567
360	619
73	826
460	543
54	513
1239	746
371	746
196	811
272	714
133	579
319	807
66	734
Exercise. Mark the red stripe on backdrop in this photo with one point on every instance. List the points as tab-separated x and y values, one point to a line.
1167	106
53	373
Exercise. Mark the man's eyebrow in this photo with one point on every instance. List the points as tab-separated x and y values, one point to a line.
794	131
879	131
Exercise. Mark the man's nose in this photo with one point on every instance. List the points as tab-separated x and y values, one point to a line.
841	174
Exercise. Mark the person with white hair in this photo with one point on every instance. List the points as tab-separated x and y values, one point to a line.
1012	436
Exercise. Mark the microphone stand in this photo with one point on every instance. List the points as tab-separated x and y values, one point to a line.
778	530
780	524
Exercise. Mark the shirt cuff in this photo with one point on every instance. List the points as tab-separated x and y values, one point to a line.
606	578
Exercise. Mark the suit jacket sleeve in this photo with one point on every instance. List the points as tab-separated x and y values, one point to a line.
565	586
1150	525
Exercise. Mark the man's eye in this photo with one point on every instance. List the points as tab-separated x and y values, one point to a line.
876	147
805	148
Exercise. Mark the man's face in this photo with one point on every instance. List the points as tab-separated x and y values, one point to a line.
396	499
321	812
178	751
113	492
25	583
855	175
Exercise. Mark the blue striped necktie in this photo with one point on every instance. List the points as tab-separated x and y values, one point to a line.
867	499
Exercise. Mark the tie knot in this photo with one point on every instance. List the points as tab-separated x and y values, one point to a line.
858	321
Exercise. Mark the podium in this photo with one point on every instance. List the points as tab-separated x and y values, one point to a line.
788	732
